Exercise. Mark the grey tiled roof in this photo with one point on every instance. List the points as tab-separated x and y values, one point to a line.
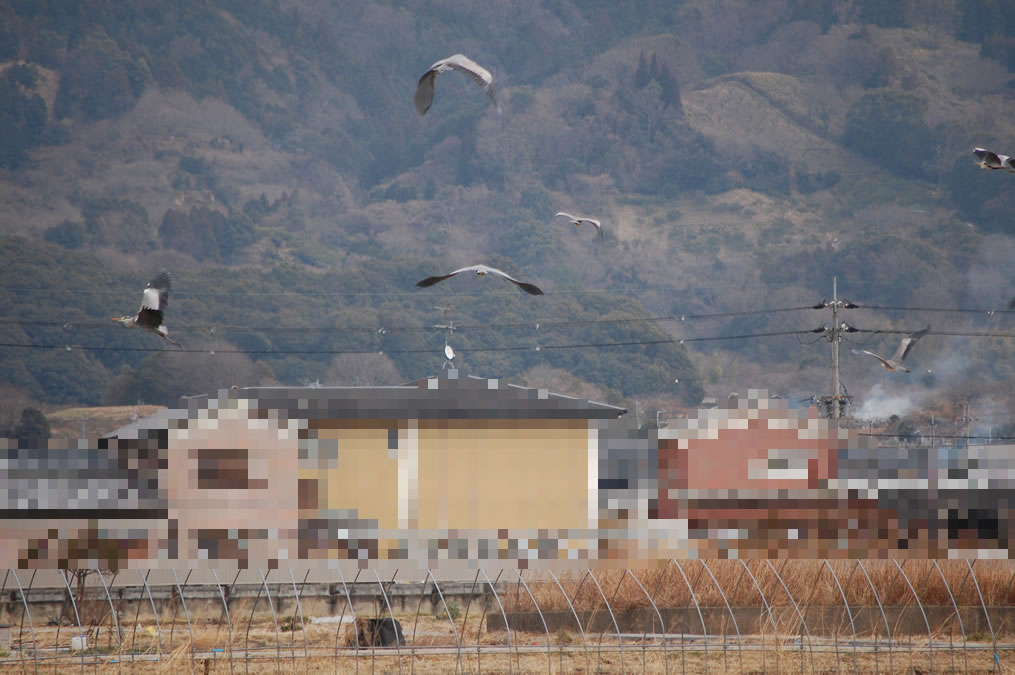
448	396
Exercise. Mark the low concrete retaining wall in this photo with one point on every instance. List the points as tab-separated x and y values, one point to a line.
205	601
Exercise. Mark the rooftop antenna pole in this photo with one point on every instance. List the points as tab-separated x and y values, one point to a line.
448	328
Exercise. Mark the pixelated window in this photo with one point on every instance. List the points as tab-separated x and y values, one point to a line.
226	469
780	464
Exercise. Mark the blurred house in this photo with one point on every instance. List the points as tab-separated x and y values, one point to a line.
454	470
279	473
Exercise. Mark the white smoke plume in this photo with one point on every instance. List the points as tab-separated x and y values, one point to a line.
879	403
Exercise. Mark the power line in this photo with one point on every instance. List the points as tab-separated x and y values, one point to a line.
987	334
317	290
964	310
537	324
310	352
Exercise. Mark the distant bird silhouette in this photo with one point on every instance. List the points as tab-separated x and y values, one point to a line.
992	160
154	300
482	270
423	98
905	346
577	221
1011	304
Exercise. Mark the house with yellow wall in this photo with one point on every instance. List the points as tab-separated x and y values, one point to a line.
440	468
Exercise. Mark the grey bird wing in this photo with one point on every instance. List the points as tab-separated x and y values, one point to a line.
156	292
430	281
596	223
1011	304
907	344
882	360
531	289
423	98
987	158
149	319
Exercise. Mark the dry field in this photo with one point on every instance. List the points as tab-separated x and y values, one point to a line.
257	651
254	642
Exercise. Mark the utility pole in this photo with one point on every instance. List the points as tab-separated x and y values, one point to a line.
834	335
835	349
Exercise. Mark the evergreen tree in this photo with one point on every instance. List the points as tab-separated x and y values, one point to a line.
641	77
33	429
670	88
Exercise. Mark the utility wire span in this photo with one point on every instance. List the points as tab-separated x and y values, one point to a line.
284	352
958	310
537	324
203	327
987	334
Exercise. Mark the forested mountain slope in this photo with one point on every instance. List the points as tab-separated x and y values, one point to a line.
739	154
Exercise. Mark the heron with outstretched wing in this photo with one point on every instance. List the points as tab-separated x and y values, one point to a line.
577	221
992	160
894	363
154	300
423	98
482	270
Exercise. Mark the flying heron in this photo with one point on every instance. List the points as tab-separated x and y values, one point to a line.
153	304
577	221
992	160
894	364
480	75
482	270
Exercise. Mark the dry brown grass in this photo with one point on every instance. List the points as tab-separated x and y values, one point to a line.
320	647
98	421
810	582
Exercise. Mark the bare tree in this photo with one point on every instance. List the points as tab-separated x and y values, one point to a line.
13	400
937	17
360	370
561	382
650	110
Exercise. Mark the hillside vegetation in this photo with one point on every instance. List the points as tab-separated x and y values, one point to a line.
740	155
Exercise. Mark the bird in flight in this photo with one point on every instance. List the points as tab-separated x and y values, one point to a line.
482	270
577	221
480	75
992	160
154	300
905	346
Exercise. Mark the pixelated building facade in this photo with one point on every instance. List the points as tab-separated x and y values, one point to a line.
457	471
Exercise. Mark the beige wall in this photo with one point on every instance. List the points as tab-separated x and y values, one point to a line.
486	474
366	477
